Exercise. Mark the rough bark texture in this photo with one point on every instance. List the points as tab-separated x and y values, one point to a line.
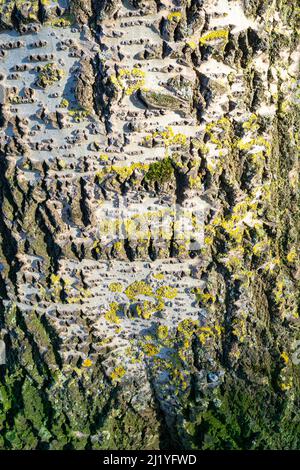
130	342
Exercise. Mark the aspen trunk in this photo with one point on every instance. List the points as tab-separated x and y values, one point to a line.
149	246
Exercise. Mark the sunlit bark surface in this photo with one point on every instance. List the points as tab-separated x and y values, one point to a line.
149	219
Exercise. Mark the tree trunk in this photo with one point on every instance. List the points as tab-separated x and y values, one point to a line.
149	250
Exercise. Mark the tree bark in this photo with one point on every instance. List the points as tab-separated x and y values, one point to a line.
149	250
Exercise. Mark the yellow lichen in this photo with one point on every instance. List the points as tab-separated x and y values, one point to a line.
117	374
167	292
168	137
138	288
87	363
174	16
285	357
129	80
292	255
55	278
150	349
146	309
111	314
162	332
192	44
214	35
116	287
159	276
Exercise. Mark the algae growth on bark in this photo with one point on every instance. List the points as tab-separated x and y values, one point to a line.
149	248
